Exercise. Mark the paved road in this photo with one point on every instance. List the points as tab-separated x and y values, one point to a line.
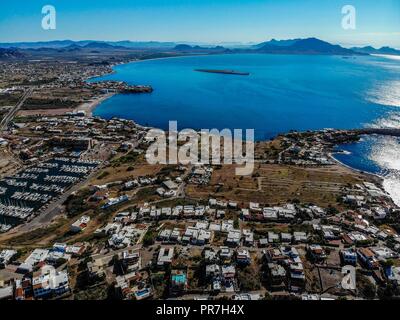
11	114
180	193
282	152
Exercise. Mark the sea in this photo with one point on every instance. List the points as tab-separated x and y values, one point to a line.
281	93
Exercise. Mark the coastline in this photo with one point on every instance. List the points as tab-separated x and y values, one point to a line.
380	179
90	106
112	71
375	175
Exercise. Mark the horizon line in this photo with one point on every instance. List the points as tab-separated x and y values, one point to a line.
194	42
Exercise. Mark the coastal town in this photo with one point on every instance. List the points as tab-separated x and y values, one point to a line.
83	215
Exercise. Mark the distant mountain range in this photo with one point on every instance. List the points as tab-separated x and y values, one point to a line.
372	50
291	46
278	43
189	48
58	44
10	53
294	46
302	46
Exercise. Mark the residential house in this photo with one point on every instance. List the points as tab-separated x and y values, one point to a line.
368	258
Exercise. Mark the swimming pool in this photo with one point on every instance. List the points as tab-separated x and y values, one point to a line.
179	278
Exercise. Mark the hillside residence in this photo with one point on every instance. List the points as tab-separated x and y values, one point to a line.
80	224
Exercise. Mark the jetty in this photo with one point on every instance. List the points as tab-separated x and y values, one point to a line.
223	71
381	131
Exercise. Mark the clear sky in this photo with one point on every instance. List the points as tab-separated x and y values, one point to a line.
212	21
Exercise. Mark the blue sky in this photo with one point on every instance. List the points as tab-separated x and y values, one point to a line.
213	21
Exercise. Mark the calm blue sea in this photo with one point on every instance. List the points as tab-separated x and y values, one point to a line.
379	155
282	92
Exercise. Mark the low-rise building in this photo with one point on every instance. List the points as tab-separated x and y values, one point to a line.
276	277
213	271
383	254
210	256
243	257
316	252
6	256
349	257
165	256
368	258
80	224
225	254
114	201
50	282
300	237
37	256
233	238
273	237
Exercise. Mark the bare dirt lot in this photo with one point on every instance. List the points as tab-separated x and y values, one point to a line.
274	184
44	112
8	165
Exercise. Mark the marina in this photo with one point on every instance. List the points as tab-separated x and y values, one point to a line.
27	192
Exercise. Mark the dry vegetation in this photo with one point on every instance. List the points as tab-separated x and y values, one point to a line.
57	98
274	184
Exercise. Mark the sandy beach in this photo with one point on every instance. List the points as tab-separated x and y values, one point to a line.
88	107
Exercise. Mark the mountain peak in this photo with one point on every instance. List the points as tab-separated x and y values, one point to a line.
302	46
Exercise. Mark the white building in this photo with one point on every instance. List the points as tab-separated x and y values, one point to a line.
6	256
50	282
165	256
80	224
